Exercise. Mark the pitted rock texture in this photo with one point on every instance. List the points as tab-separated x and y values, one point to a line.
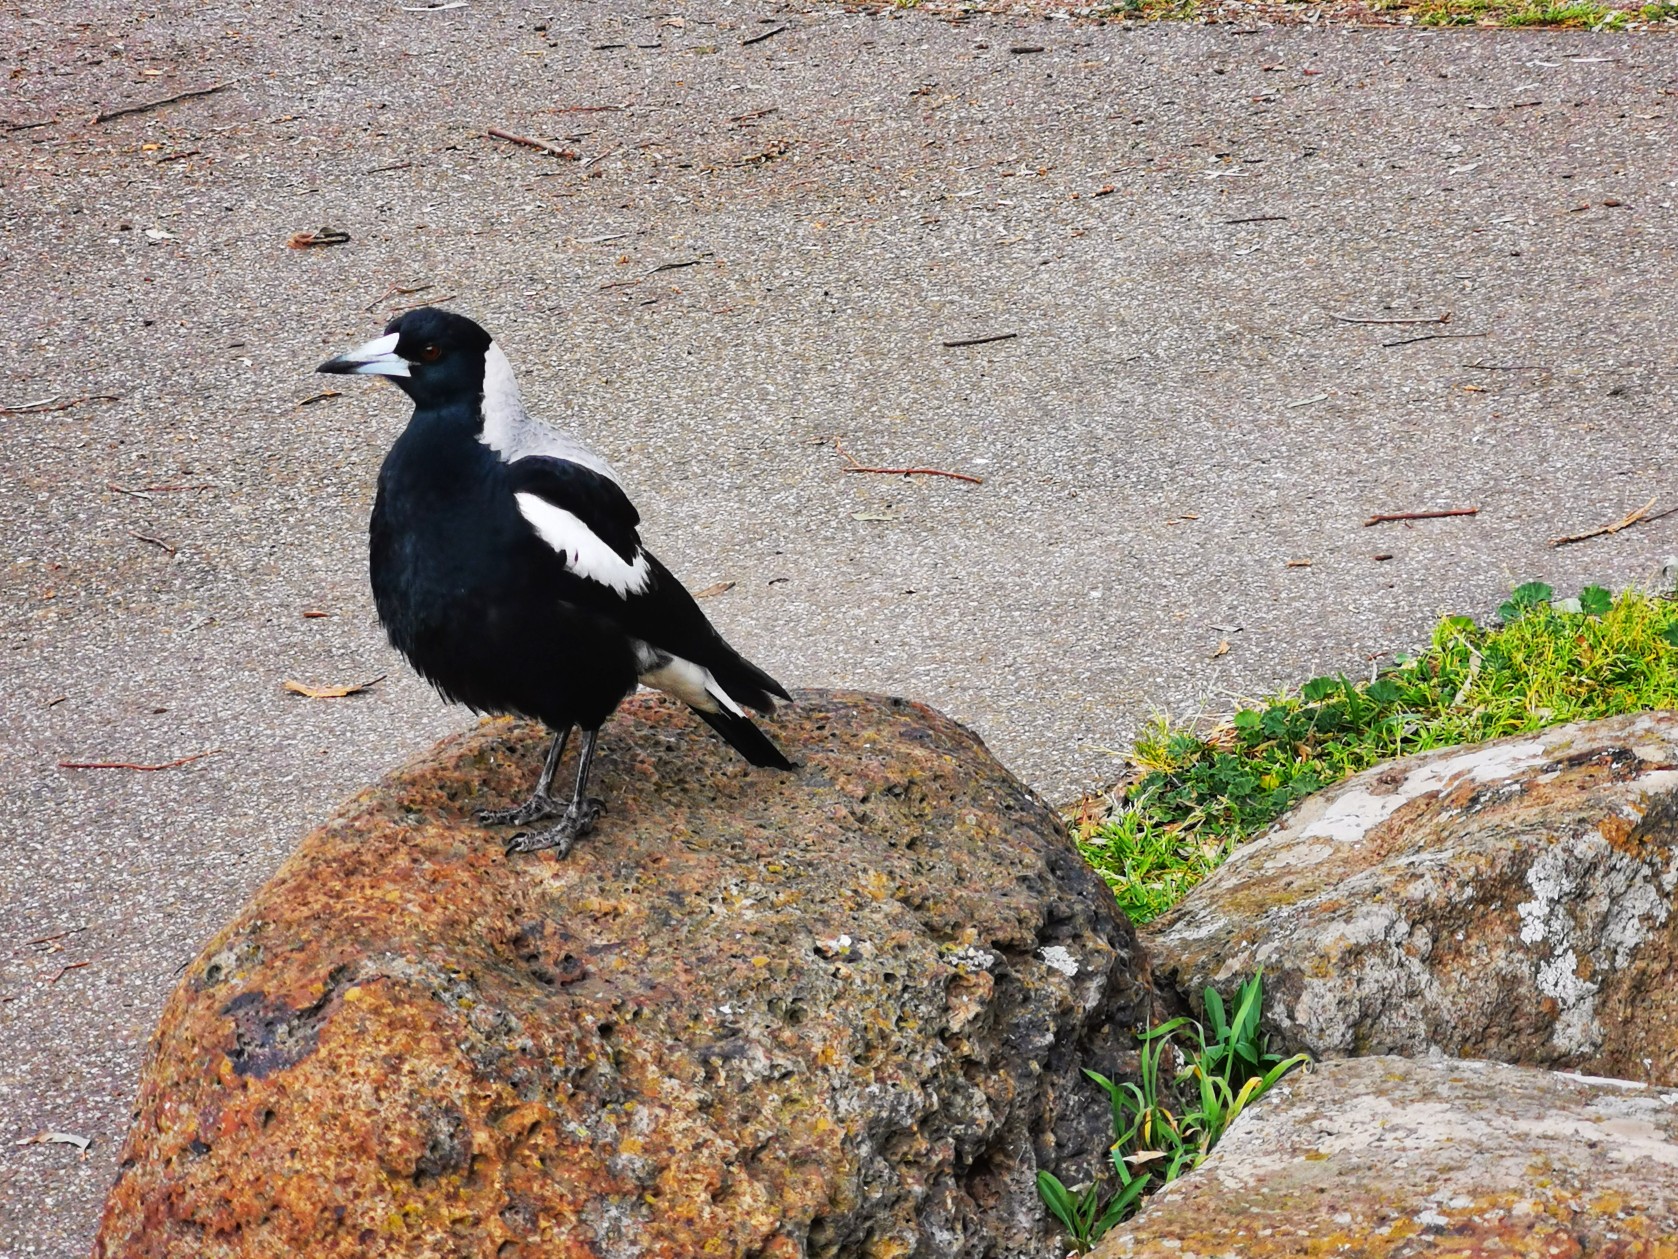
1390	1158
1510	901
840	1012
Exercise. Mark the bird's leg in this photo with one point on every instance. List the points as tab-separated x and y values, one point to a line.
540	804
580	815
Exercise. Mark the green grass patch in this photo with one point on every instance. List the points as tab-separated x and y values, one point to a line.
1166	1122
1194	797
1598	17
1584	13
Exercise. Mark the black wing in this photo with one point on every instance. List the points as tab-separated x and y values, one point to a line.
597	500
658	611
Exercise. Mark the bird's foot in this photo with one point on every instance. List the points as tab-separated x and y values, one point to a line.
536	808
578	821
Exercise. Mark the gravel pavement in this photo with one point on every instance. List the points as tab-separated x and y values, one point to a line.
777	219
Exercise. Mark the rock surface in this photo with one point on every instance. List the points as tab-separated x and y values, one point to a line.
1509	901
1377	1157
838	1012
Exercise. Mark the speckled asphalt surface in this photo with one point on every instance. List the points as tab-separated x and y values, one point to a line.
1179	446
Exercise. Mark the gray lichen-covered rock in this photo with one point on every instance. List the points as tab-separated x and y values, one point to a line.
1510	901
840	1012
1389	1158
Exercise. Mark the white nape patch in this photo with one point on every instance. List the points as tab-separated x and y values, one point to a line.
582	549
504	413
513	433
688	682
377	358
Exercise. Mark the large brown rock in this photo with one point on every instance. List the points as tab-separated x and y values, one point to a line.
1510	901
1389	1158
839	1012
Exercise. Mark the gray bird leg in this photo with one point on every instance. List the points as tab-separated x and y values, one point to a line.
580	815
540	804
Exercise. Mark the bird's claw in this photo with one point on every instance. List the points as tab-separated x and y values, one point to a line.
577	822
536	808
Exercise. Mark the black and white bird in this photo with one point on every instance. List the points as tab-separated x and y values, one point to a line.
506	567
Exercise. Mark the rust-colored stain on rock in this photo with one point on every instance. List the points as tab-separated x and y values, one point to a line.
825	1013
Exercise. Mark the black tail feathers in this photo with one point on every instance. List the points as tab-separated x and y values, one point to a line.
743	681
745	738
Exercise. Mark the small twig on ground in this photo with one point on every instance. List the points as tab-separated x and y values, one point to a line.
1256	218
1625	521
9	125
394	291
151	105
318	238
57	935
176	157
175	764
1382	517
601	157
756	113
41	406
380	170
446	297
851	465
1445	318
677	266
322	396
758	39
66	969
1433	336
569	155
158	542
1505	367
961	341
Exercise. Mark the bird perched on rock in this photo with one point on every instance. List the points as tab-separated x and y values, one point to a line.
506	567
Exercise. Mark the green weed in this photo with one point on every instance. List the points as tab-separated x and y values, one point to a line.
1166	1123
1193	798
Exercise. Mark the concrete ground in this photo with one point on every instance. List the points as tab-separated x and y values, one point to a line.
778	218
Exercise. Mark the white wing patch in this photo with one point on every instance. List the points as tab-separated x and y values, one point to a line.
688	682
582	549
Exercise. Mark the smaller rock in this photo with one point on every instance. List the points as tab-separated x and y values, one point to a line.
1508	901
1379	1157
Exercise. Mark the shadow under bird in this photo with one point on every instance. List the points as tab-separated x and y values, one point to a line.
507	568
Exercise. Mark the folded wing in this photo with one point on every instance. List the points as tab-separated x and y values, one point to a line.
589	522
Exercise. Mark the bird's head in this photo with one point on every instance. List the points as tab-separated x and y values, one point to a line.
435	356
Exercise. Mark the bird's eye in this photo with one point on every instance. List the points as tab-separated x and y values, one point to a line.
430	354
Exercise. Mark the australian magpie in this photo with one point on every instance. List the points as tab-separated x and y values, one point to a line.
506	567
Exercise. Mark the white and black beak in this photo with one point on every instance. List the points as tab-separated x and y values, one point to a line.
376	358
